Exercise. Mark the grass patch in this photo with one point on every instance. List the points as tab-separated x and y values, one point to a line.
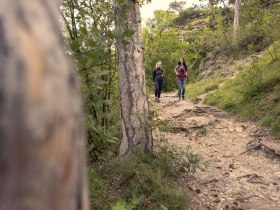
96	188
164	126
254	94
203	86
143	181
201	131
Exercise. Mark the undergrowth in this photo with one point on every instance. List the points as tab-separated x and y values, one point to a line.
202	86
143	181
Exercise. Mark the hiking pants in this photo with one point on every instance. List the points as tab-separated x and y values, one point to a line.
181	82
158	87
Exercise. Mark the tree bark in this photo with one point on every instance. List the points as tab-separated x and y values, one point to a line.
237	15
136	134
42	159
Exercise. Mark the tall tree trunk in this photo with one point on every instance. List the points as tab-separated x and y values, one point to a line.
136	134
42	159
237	15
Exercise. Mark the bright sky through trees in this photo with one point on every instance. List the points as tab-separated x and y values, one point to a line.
147	10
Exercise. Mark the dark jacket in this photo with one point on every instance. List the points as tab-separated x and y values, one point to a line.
158	74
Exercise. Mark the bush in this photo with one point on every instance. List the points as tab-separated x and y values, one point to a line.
252	41
144	181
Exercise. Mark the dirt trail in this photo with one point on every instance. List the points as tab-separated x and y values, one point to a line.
244	160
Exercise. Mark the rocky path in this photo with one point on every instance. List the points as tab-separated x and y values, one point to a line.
243	160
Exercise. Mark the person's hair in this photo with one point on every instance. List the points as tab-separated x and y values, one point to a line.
184	64
158	64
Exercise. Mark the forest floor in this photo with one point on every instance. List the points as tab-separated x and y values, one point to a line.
243	159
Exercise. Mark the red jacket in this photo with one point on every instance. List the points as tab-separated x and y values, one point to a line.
180	69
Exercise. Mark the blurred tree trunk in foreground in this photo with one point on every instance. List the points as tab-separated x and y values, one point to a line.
42	159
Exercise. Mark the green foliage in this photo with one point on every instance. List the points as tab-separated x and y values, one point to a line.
188	15
202	86
150	177
212	25
123	205
89	31
163	126
161	43
206	28
95	187
260	25
254	93
143	181
196	31
177	6
201	131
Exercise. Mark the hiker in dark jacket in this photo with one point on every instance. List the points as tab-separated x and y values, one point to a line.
158	80
181	71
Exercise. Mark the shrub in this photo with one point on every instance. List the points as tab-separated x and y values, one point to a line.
150	177
143	181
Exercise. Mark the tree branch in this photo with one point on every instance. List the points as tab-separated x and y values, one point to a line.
67	25
270	3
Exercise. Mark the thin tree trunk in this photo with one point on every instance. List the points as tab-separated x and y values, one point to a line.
73	20
237	15
136	134
42	159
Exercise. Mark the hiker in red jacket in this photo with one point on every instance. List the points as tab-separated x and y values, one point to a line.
181	71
